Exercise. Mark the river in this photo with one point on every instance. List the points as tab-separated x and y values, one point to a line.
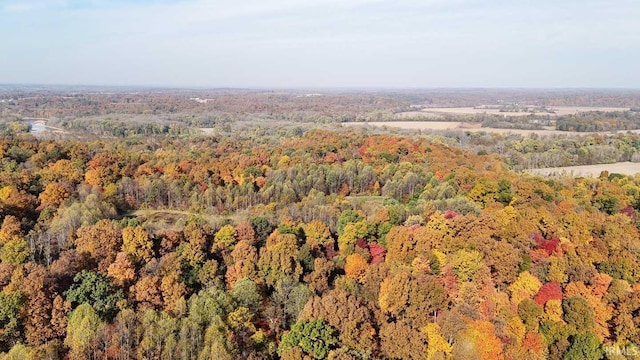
39	126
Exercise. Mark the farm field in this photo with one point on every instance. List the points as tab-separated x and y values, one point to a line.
556	111
415	125
625	168
464	126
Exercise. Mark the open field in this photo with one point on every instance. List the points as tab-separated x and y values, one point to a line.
475	127
418	114
626	168
414	125
554	111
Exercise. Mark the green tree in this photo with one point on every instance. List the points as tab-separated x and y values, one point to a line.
584	346
10	305
262	228
95	289
246	293
15	251
529	311
578	314
346	217
287	300
350	234
607	203
316	338
504	192
158	338
19	352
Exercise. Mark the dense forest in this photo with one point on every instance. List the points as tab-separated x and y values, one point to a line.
307	244
600	121
535	151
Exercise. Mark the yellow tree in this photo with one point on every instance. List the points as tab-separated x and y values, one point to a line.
317	234
434	234
53	195
137	244
63	171
173	291
351	233
15	251
466	263
10	229
279	257
225	238
524	287
438	345
13	247
515	329
415	297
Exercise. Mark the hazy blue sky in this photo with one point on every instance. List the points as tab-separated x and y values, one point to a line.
322	43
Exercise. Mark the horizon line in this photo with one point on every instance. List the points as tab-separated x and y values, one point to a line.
33	86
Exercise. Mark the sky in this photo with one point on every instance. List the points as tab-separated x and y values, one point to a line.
322	43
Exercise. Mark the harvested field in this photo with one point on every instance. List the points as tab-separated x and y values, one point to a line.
413	125
418	114
570	110
475	127
554	111
626	168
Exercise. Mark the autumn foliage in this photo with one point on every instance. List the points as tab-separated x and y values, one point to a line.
310	244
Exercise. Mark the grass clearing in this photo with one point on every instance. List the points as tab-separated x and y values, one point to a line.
625	168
